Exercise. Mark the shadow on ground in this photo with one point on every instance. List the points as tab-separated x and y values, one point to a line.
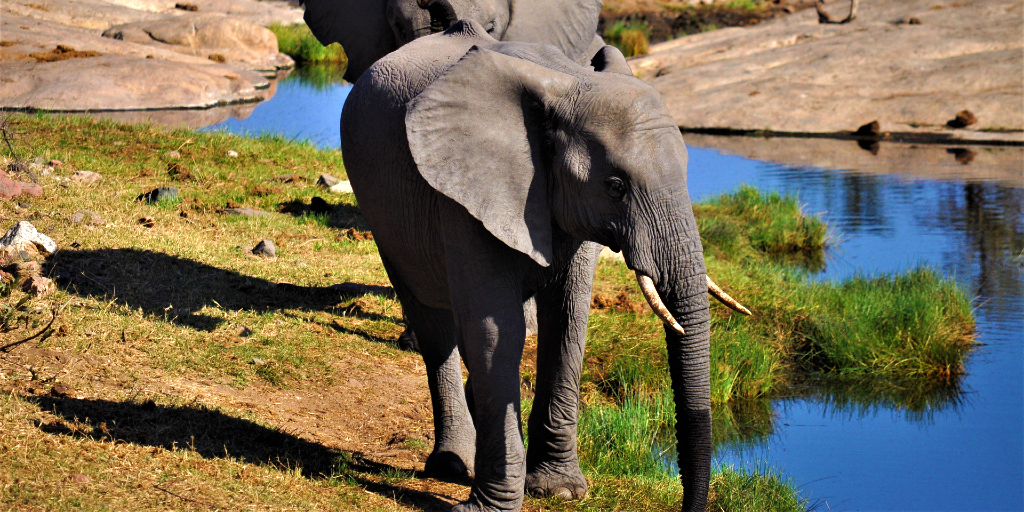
177	288
213	435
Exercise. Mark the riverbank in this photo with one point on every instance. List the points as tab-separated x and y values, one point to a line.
911	66
231	380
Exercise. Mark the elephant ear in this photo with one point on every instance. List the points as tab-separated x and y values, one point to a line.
610	60
478	134
360	26
569	25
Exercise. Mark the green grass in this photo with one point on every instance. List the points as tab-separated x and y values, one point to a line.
299	43
631	37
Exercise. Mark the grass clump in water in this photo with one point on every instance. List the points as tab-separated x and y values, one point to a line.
735	490
299	43
631	37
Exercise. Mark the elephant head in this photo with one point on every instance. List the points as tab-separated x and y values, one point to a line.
370	29
561	149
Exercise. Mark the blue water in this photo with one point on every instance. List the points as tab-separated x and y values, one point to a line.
964	454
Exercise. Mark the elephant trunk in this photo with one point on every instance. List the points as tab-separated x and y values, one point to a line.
683	292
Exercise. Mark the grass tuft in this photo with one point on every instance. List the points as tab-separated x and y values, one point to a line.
631	37
299	43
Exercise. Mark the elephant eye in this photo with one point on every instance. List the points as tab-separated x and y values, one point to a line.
615	187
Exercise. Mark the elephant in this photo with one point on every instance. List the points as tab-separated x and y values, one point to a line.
370	29
492	172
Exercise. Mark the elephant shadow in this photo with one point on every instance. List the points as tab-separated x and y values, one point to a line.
215	435
178	289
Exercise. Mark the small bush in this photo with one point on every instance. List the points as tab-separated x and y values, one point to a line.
631	37
299	43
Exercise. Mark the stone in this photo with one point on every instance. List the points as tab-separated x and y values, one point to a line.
62	390
963	119
258	362
243	331
342	187
159	194
87	216
232	153
265	248
147	221
10	189
828	78
86	177
244	211
26	269
326	180
38	286
175	154
79	478
23	236
55	163
872	129
231	39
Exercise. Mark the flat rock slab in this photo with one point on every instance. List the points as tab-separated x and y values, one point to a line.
795	75
54	56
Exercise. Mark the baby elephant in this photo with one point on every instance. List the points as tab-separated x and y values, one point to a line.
491	172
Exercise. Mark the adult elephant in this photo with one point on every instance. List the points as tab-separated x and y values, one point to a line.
506	166
370	29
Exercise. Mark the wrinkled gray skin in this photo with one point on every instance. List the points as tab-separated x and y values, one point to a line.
370	29
489	173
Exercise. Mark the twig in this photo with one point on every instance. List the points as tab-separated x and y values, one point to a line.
824	17
9	346
4	125
180	497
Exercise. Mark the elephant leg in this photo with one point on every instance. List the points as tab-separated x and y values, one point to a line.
454	435
563	307
485	279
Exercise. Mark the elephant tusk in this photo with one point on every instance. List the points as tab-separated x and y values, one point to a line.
718	293
651	294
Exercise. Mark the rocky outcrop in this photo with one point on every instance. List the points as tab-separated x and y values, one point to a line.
54	56
910	65
220	38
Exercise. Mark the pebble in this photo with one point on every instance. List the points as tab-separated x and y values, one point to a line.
872	129
38	286
86	177
243	331
159	194
265	248
55	163
232	153
24	237
172	154
80	216
326	180
342	187
258	362
244	211
963	118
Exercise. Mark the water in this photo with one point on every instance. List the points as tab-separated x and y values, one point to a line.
948	448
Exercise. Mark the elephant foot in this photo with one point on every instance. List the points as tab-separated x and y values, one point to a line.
474	505
448	466
562	480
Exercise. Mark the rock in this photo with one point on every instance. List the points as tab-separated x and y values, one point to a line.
159	194
963	119
10	188
244	211
265	248
147	221
27	269
38	286
342	187
872	129
175	154
62	390
234	40
232	153
24	237
828	78
326	180
186	7
55	163
79	478
319	206
88	216
243	331
86	177
258	362
291	178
